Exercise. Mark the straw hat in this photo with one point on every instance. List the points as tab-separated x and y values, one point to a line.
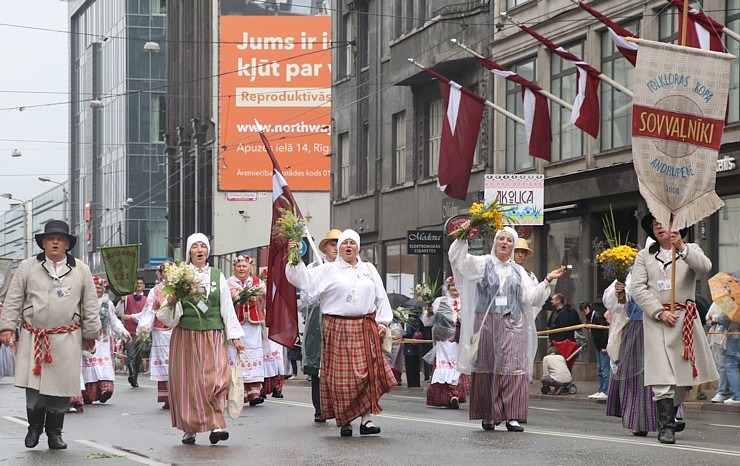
330	235
521	243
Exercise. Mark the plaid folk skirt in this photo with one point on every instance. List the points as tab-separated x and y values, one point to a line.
275	382
440	394
93	390
198	379
354	372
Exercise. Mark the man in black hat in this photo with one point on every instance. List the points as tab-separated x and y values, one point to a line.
676	351
53	297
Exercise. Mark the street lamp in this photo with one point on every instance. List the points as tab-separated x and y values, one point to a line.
26	222
46	179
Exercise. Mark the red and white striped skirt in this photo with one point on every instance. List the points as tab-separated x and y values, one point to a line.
162	392
354	372
198	379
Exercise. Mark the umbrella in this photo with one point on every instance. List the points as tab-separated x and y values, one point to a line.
398	299
725	291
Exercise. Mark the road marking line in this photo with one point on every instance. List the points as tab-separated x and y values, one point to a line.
123	453
552	434
544	409
724	425
407	397
16	420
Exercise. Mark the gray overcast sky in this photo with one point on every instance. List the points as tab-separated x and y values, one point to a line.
35	71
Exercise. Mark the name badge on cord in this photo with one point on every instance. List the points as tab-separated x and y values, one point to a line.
62	291
352	297
501	301
202	306
664	285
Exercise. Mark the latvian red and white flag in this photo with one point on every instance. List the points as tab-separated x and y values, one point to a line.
703	32
585	114
536	110
282	306
617	33
460	128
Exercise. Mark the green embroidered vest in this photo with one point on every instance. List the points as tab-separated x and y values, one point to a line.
192	317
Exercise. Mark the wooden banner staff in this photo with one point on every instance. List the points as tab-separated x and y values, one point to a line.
601	76
488	103
543	92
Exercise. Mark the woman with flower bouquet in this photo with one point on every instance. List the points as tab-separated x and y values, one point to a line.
248	294
160	334
497	332
201	312
98	372
449	387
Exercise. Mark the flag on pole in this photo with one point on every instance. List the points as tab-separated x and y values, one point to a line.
585	114
617	33
677	121
460	127
536	110
702	31
282	306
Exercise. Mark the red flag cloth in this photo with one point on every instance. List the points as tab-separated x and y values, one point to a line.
536	110
460	127
585	114
282	302
703	32
617	33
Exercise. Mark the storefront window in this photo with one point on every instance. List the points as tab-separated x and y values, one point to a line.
400	268
564	240
729	235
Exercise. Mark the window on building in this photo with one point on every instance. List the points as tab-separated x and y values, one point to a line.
567	139
344	54
616	107
732	22
433	114
410	18
363	35
398	12
668	23
399	149
363	162
343	142
728	239
515	3
564	248
517	149
400	269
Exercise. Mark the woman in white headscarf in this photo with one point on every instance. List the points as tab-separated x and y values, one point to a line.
498	298
354	373
198	356
449	387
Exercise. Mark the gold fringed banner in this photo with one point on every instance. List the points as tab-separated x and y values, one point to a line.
678	113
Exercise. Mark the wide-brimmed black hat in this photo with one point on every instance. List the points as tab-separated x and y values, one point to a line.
56	226
647	225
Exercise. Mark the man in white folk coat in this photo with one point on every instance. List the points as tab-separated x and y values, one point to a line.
52	297
676	351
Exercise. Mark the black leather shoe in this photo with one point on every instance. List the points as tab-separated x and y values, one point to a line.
105	396
318	418
369	428
132	380
217	436
639	433
256	401
277	393
487	426
188	439
54	425
35	426
346	431
454	403
513	428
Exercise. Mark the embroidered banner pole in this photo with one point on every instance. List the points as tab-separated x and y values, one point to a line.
680	97
121	265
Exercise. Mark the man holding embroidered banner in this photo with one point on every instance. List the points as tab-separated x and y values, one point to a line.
677	120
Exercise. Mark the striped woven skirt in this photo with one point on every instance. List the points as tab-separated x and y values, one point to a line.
499	397
198	379
354	372
628	396
163	395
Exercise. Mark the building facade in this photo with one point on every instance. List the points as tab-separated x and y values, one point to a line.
387	117
118	182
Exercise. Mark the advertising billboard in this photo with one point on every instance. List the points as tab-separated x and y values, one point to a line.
275	70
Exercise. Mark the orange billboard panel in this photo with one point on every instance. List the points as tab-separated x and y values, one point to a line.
275	71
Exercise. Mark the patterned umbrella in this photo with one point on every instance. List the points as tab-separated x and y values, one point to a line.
725	290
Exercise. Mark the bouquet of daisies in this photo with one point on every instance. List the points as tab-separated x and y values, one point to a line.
426	292
181	282
249	294
401	314
488	217
290	227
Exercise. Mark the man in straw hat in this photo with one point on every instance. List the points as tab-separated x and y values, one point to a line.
312	331
54	298
676	350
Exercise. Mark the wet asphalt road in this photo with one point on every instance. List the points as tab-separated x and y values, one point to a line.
132	429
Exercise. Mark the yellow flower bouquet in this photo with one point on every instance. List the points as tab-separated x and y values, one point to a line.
615	257
489	217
